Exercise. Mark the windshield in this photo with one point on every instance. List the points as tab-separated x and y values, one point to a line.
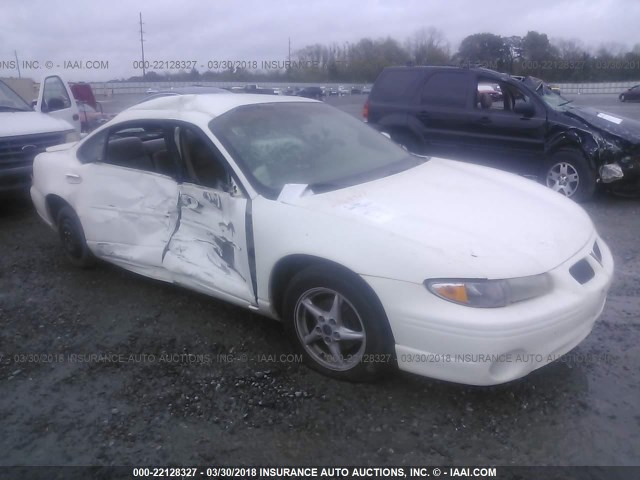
306	143
10	100
551	98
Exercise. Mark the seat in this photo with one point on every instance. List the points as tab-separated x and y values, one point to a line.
54	104
204	167
129	152
164	163
485	100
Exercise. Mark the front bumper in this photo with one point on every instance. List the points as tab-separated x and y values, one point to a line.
15	179
488	346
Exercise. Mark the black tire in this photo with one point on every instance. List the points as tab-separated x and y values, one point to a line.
408	141
309	312
568	172
622	97
73	240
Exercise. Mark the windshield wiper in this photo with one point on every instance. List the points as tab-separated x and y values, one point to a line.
321	187
564	103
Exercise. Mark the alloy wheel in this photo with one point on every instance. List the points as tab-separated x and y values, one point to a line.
330	329
563	178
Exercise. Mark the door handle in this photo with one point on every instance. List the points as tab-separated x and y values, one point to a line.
484	120
73	178
189	202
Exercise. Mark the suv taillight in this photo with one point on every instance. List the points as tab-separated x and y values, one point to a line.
365	111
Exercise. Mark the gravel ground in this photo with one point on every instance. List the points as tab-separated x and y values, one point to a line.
180	378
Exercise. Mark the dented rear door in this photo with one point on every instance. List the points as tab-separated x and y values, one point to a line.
128	215
127	205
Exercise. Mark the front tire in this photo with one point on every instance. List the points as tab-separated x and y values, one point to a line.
568	173
622	97
338	325
73	239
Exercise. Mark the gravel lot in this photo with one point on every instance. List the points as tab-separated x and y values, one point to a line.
180	378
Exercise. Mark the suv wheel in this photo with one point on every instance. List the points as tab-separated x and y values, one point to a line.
567	172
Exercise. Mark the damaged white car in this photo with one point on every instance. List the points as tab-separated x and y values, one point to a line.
371	256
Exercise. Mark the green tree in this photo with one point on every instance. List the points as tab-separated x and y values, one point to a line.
484	49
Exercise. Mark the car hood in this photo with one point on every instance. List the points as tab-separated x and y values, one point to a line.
477	221
29	123
622	127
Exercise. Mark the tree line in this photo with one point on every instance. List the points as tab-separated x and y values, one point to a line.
557	60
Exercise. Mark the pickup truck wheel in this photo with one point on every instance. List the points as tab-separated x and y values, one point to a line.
567	172
339	328
73	240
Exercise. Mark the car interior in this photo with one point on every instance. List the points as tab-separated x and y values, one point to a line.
507	98
203	167
133	152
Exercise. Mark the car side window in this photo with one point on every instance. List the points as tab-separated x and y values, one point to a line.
395	85
445	89
142	146
92	150
55	96
204	164
489	95
500	97
516	99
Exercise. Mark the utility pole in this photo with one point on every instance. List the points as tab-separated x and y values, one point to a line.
144	72
289	64
15	52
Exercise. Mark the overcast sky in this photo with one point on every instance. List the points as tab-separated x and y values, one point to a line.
256	30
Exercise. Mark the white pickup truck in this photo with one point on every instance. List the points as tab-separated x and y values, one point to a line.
26	131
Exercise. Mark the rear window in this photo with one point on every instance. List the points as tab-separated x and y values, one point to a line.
445	89
395	84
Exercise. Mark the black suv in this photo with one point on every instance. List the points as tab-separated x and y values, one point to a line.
311	92
512	123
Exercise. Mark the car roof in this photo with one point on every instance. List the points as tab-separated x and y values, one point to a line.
182	91
210	104
484	71
194	89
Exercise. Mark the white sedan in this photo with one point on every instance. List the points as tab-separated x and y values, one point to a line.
371	256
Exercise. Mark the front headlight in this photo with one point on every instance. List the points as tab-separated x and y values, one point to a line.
489	293
71	136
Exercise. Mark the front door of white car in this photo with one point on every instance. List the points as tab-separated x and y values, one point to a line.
56	99
208	250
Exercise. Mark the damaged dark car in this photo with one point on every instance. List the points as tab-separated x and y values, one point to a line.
531	130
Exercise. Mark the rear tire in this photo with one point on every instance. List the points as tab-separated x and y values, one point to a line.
408	141
338	325
568	173
73	239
